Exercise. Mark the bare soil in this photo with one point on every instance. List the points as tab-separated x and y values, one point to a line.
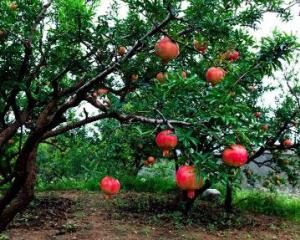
130	216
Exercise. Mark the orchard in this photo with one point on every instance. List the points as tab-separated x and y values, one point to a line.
181	82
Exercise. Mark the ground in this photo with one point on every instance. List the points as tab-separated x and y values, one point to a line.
88	216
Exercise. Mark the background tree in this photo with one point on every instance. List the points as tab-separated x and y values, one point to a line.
56	55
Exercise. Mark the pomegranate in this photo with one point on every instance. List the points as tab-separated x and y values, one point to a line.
134	77
166	141
233	56
186	179
264	127
215	75
200	47
102	91
10	141
235	156
287	143
257	114
110	186
183	74
166	49
13	6
151	160
161	77
122	50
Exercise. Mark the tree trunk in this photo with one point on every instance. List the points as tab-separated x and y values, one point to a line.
185	204
228	199
24	192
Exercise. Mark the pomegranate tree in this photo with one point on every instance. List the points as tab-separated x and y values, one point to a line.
166	140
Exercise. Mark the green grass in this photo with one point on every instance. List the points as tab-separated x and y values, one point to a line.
269	203
132	183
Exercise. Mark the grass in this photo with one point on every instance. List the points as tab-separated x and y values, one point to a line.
269	204
132	183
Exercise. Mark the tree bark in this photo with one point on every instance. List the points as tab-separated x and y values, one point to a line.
228	199
24	195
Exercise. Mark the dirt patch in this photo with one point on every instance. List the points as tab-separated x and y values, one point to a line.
47	212
87	216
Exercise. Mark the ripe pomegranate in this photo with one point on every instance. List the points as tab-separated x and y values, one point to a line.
102	91
201	47
287	143
161	77
264	127
13	6
110	186
151	160
122	50
186	179
233	56
257	114
235	156
215	75
166	49
166	141
10	141
134	77
183	74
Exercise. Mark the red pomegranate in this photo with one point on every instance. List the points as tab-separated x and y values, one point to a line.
183	74
233	56
201	47
110	186
102	91
166	141
122	50
235	156
215	75
186	179
134	77
13	6
166	49
257	114
287	143
264	127
161	77
151	160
